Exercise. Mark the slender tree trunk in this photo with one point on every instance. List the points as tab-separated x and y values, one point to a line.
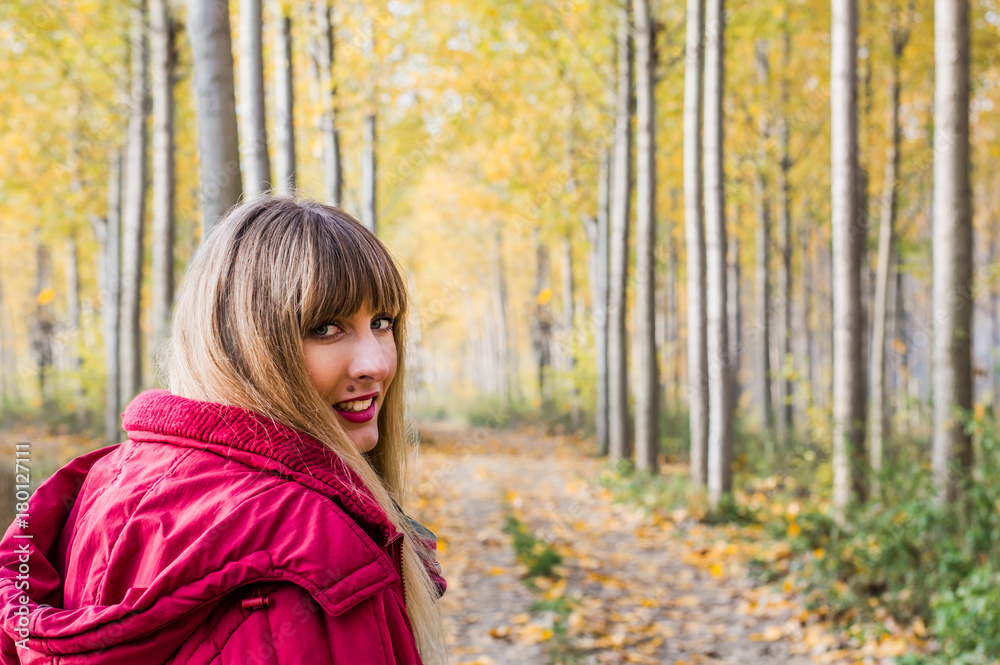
599	250
733	306
569	326
162	69
324	62
848	244
720	441
134	214
368	161
108	232
952	250
542	323
215	99
621	190
786	413
762	267
879	423
253	126
284	101
647	399
694	231
42	323
808	345
500	308
73	328
673	328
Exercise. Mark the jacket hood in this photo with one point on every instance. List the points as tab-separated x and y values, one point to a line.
202	499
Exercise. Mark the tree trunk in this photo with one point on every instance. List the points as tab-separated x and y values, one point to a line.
808	344
162	70
786	410
42	323
733	311
879	423
368	161
720	440
324	61
253	125
599	287
284	102
647	399
542	324
673	328
621	191
762	266
215	100
134	214
694	231
73	331
500	308
569	328
108	238
952	249
848	244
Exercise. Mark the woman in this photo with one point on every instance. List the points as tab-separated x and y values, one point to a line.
252	516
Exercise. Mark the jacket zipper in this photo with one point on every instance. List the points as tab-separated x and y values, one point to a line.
402	574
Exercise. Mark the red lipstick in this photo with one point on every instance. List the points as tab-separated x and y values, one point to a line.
358	416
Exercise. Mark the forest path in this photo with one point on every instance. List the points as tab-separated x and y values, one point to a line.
636	595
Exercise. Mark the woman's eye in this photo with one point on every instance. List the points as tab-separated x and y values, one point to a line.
383	323
325	330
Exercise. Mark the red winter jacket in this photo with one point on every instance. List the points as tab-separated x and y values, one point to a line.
213	535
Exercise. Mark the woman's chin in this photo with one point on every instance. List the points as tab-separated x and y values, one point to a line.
364	439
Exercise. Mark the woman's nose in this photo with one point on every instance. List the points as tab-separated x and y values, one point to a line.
369	358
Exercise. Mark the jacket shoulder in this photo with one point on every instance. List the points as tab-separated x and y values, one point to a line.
223	511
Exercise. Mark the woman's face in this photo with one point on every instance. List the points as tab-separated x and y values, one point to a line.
351	362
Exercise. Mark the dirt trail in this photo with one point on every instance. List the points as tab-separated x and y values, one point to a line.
637	599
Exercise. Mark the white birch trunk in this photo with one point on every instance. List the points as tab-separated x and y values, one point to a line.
284	102
108	232
134	214
848	243
73	328
368	162
618	417
253	126
647	439
952	249
600	285
215	100
324	62
694	231
720	440
162	73
879	421
786	408
733	311
762	265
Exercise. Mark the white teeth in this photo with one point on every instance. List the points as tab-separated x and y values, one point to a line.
356	405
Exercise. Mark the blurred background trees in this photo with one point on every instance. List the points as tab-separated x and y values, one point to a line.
667	227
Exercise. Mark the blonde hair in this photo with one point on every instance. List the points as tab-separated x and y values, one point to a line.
272	269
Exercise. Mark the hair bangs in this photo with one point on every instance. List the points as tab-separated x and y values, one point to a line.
348	269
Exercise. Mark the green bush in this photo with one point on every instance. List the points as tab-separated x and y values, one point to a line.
540	558
967	619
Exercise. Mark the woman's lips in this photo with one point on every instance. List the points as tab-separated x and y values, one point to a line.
357	416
